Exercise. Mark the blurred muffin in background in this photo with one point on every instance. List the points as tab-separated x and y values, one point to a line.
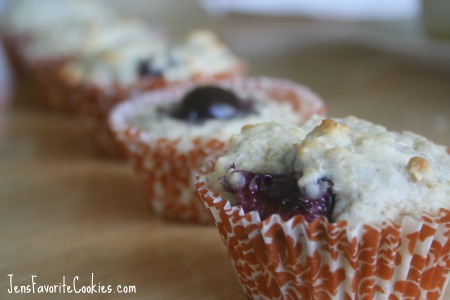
100	80
24	18
48	51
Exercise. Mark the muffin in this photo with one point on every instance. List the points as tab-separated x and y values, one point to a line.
102	80
45	54
332	209
168	133
24	18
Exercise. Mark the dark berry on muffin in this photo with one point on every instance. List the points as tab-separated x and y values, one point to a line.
280	194
145	69
210	102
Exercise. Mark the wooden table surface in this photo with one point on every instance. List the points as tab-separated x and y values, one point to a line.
67	212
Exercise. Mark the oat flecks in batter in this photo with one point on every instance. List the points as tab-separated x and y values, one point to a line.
375	174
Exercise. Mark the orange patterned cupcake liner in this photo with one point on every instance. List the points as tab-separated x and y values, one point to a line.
44	75
277	259
42	72
13	45
94	103
167	165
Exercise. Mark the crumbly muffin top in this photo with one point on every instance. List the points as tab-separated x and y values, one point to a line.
116	65
202	54
157	119
87	38
371	173
30	16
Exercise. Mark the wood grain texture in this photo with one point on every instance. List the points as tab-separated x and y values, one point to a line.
65	211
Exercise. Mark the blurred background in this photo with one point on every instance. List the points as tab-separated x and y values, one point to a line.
371	59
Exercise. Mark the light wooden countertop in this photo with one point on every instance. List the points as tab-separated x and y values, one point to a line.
64	211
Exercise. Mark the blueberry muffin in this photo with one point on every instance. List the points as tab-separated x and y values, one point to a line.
335	208
136	63
29	16
45	54
168	133
102	80
23	19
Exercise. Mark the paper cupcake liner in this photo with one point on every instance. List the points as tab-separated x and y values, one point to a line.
14	45
277	259
41	72
44	75
167	165
94	103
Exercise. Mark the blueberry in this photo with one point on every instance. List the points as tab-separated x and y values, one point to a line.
211	102
145	69
279	194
